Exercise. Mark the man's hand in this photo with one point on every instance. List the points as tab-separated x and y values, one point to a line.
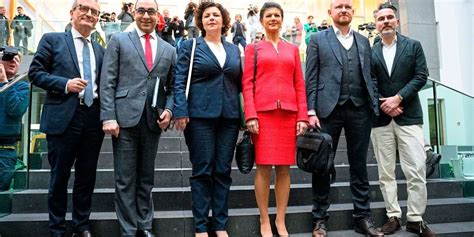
313	121
3	75
390	103
396	112
181	123
252	126
111	128
165	119
76	85
301	128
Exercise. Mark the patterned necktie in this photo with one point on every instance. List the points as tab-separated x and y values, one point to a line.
86	66
148	52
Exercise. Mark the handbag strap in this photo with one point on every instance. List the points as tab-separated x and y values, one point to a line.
190	71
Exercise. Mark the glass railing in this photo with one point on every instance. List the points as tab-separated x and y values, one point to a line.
448	125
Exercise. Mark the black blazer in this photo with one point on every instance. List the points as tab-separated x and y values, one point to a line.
409	74
54	63
324	71
214	90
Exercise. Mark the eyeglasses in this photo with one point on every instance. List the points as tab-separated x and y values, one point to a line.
86	9
142	11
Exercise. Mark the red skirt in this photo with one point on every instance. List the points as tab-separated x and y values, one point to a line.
276	142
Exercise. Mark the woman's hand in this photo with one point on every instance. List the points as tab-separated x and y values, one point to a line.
301	128
252	125
180	123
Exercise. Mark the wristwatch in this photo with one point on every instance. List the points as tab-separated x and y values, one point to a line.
399	96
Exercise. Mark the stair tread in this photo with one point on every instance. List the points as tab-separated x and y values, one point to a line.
234	187
441	228
234	211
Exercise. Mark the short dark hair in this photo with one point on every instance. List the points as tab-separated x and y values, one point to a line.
224	13
268	5
19	7
387	5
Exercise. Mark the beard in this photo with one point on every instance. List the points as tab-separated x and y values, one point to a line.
387	31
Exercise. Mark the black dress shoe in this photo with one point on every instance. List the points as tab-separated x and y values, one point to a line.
85	233
392	225
319	228
144	233
366	227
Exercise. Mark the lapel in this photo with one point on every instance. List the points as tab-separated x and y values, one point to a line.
334	43
98	57
160	49
133	35
228	52
379	56
72	50
359	41
401	46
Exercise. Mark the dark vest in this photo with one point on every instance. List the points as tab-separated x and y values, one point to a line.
352	84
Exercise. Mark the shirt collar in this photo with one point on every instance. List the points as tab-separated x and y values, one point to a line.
394	42
339	33
76	34
142	34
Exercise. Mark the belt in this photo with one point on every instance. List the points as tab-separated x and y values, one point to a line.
8	147
82	102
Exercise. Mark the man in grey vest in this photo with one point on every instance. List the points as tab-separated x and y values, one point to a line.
341	94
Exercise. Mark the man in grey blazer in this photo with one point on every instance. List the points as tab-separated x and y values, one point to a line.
341	94
134	63
399	65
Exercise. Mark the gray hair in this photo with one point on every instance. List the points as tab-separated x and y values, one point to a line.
74	4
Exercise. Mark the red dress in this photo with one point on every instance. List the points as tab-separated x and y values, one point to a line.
279	100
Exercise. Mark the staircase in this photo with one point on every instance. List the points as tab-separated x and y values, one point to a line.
449	212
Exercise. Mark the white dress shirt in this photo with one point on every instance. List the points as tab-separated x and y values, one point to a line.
153	42
218	51
346	40
389	54
79	45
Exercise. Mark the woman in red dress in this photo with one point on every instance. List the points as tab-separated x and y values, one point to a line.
275	112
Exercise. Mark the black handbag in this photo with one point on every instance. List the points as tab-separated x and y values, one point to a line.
314	153
245	153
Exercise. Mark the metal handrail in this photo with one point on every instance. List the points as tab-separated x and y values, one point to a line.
13	81
449	87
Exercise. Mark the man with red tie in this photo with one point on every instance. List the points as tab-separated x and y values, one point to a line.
136	102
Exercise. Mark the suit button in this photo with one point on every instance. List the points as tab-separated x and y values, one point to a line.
148	78
143	93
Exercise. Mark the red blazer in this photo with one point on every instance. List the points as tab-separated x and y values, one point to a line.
279	82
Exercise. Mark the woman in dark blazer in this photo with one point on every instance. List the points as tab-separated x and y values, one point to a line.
210	117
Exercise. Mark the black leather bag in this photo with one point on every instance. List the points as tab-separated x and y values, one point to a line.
245	153
314	153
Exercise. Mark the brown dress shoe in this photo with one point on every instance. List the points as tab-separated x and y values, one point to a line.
366	227
319	229
420	228
392	225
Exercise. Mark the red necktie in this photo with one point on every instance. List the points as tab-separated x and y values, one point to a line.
148	52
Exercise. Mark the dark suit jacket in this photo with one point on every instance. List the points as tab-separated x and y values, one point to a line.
214	89
127	85
54	63
409	74
324	71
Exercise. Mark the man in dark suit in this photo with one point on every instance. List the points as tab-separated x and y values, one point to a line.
134	63
67	65
341	94
399	65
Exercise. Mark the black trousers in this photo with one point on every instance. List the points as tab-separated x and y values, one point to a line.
357	124
78	145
